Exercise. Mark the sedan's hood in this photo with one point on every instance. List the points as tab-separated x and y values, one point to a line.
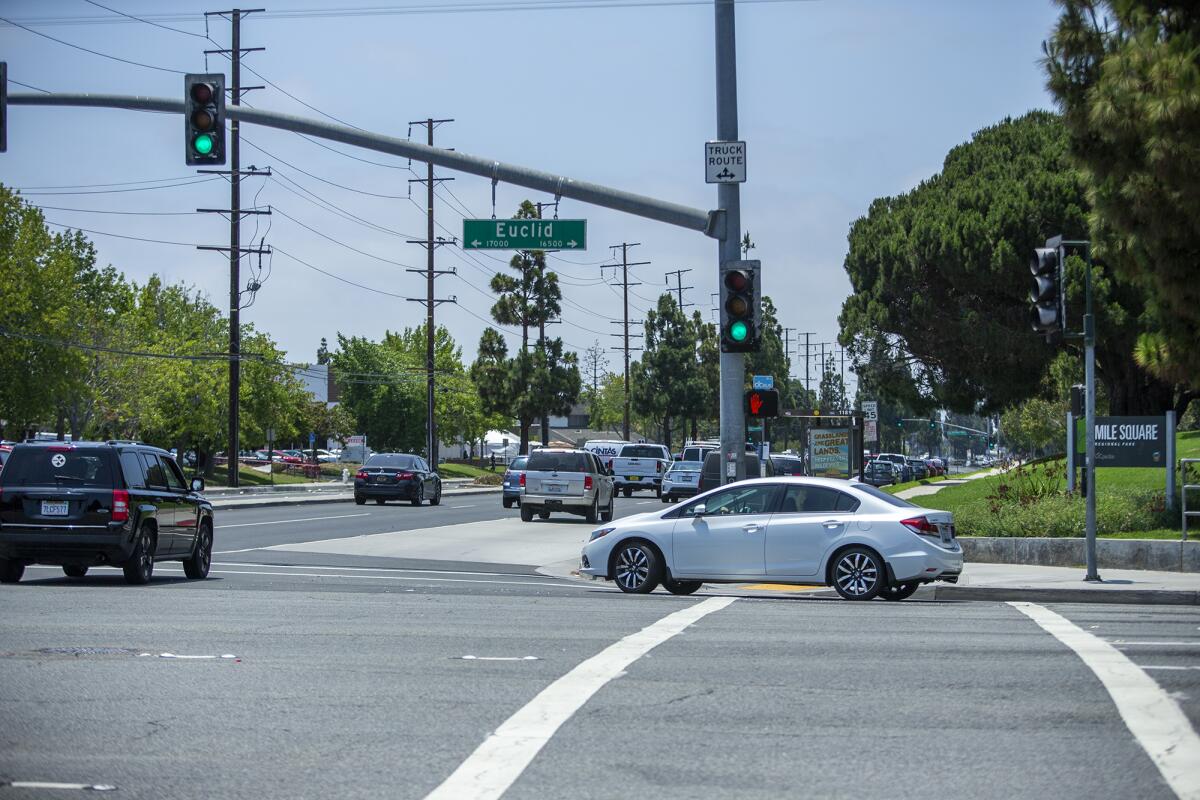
635	519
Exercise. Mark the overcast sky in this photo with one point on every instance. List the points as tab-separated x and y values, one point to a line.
840	102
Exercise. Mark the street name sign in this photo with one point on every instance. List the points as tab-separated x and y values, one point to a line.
524	234
725	162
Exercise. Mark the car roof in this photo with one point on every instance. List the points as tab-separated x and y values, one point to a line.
90	445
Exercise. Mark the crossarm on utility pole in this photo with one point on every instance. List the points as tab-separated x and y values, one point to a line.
710	223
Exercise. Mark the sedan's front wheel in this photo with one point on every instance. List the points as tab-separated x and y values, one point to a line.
636	569
858	574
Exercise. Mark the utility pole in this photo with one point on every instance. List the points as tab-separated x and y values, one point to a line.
807	349
235	218
787	350
625	284
430	244
733	365
679	287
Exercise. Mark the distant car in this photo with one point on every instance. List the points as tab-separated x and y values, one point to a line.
397	476
514	482
881	473
861	541
682	480
918	468
786	465
640	466
86	504
570	480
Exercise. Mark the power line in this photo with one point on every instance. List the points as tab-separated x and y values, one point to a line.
93	52
148	22
126	213
116	235
27	86
315	268
7	332
324	180
335	241
122	191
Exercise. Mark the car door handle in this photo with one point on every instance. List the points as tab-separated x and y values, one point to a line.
832	524
751	527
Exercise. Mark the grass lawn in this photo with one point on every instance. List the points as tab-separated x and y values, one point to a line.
1116	489
447	470
252	477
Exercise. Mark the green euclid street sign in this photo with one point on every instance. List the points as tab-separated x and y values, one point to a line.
524	234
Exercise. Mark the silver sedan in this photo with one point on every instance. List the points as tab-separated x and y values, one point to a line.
808	531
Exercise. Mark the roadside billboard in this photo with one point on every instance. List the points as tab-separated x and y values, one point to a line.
829	452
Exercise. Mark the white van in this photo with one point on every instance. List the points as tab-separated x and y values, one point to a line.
605	449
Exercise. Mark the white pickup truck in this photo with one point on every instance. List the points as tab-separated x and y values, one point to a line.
640	466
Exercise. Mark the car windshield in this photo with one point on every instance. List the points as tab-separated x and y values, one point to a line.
43	466
550	461
519	462
641	451
879	494
685	466
398	460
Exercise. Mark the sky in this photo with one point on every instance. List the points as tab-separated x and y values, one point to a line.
839	102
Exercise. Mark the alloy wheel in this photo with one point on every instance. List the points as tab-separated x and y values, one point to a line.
633	568
856	575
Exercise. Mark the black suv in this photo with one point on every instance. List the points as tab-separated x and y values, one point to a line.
122	504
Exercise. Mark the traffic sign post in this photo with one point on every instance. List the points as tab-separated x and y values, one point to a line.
725	162
524	234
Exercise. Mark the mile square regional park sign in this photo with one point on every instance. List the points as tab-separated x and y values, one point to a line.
1128	441
524	234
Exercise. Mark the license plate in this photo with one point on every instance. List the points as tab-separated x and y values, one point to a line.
947	532
54	509
634	477
554	488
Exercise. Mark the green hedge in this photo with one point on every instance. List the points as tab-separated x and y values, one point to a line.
1061	515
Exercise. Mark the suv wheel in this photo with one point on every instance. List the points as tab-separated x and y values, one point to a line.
140	565
197	566
607	514
74	570
526	513
636	569
627	491
11	571
543	515
593	512
858	574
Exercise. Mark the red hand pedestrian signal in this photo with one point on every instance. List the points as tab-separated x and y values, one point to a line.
762	402
756	403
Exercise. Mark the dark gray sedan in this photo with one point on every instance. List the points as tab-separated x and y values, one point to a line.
397	476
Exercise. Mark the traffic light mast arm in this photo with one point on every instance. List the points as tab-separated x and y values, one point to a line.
710	223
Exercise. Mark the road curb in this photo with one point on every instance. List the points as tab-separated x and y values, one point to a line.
231	504
1153	597
1165	555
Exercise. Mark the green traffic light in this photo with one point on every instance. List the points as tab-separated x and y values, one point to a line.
203	144
738	331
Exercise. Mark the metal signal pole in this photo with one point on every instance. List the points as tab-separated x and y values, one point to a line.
430	244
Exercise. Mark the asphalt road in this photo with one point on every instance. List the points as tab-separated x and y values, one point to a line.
352	674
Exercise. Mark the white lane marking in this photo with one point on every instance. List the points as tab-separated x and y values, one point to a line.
1154	719
91	787
383	578
197	658
285	521
503	756
1128	642
231	552
473	505
500	658
1171	668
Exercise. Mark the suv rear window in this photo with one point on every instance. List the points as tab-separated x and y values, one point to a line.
41	466
641	451
549	461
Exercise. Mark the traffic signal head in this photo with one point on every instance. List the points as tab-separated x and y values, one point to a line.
762	402
932	425
204	118
740	307
1047	314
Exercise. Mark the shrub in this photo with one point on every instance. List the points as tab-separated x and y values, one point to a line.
1029	510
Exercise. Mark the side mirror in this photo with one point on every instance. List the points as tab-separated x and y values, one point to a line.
197	484
698	511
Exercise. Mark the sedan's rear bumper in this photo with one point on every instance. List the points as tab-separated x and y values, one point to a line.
394	491
551	502
91	547
927	561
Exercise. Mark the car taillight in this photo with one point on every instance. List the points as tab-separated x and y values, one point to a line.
658	466
587	482
361	474
920	525
522	481
403	476
120	505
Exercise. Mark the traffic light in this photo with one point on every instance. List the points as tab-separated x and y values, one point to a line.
204	118
899	423
932	425
1047	313
762	402
741	309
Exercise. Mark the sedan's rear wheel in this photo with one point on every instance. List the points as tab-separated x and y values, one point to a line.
507	501
680	587
636	569
437	496
74	570
900	591
420	495
380	501
359	500
858	574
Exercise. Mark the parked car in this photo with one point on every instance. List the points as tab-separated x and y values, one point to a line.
935	466
682	480
570	480
514	482
786	465
696	451
881	473
87	504
862	541
397	476
901	462
640	467
918	468
710	473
